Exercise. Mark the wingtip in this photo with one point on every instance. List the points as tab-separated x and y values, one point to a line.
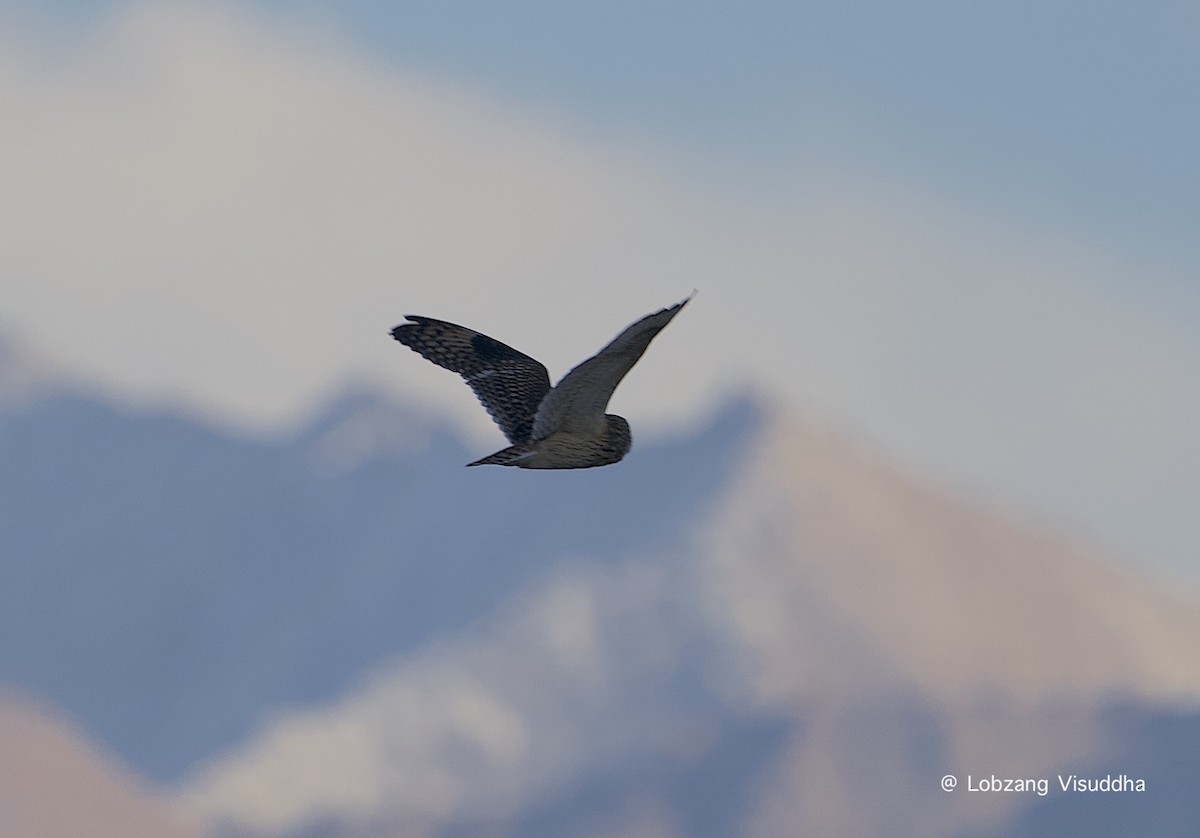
409	319
685	300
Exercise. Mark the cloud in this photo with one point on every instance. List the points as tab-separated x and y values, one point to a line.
204	206
201	204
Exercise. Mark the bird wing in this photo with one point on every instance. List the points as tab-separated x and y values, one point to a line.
509	383
577	402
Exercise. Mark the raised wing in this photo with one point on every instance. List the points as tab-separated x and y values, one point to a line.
509	383
576	404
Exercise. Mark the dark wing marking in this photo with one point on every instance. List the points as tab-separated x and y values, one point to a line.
509	383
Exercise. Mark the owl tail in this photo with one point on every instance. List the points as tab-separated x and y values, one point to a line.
516	455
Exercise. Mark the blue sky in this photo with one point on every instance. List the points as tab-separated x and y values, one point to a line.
965	231
1083	113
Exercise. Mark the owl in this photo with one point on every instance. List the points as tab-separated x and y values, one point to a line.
557	427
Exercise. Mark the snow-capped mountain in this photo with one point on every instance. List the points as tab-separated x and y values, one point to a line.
756	627
826	627
170	584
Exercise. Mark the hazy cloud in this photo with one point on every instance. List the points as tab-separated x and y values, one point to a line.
199	205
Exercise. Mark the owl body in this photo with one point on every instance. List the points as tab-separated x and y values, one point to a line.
564	450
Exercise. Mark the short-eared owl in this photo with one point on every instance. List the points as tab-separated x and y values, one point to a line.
560	427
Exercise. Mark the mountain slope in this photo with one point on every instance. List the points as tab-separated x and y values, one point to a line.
170	584
832	626
952	599
734	632
53	784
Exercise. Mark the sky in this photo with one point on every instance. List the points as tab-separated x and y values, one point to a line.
966	233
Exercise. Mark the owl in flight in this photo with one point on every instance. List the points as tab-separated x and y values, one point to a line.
560	427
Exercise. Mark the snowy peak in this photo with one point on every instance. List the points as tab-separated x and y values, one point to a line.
362	424
348	633
821	608
954	599
23	375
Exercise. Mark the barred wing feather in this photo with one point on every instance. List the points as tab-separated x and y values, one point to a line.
508	383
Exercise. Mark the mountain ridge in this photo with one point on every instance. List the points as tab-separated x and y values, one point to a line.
202	578
344	632
55	784
790	607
